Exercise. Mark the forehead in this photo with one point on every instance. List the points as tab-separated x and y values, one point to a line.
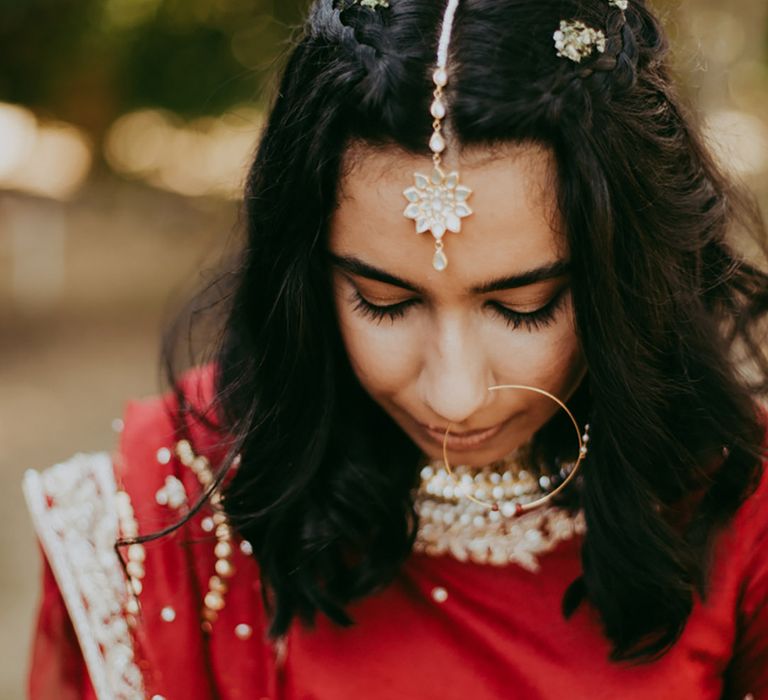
514	225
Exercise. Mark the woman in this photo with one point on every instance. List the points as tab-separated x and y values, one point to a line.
519	455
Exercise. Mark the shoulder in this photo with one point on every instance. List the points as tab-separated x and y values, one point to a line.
169	455
751	515
152	425
743	560
751	519
749	524
195	578
128	615
147	465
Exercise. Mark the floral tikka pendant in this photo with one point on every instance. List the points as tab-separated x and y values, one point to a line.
437	204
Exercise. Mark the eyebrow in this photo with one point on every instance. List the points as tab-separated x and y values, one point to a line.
355	266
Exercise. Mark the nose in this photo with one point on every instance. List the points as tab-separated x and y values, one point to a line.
455	376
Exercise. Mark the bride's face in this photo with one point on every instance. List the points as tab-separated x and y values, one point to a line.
426	345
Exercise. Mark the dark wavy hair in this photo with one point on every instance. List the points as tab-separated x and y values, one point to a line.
668	314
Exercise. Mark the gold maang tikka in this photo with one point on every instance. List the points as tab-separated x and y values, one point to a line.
438	203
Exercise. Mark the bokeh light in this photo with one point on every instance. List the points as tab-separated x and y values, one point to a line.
206	156
740	140
48	159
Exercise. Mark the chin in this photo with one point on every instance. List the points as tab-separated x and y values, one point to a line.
476	457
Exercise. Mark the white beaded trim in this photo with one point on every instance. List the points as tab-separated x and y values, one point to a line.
74	513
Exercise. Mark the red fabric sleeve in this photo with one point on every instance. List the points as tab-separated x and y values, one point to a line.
57	669
748	674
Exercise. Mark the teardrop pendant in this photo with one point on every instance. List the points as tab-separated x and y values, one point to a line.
439	261
437	143
437	110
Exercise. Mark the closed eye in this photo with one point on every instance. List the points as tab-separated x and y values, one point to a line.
379	313
532	320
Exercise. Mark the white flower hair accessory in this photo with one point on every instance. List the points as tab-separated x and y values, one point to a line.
575	40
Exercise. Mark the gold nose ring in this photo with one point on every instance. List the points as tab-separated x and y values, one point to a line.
522	508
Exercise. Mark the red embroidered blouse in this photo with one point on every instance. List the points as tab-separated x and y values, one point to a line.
444	629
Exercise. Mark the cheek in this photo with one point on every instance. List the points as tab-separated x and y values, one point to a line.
550	359
558	362
381	354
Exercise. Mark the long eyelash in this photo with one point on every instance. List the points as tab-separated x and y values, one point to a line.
535	319
379	313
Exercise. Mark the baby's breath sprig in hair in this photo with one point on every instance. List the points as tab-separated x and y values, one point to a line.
373	4
575	40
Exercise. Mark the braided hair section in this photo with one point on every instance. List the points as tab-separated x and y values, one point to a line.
381	56
618	64
633	45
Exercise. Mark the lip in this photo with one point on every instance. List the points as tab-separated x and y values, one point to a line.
459	442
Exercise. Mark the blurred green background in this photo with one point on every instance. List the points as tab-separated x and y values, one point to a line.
126	127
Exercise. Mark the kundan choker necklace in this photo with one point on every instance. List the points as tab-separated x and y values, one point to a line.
500	513
454	519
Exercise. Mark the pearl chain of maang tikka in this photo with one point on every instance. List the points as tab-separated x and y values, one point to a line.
218	583
438	203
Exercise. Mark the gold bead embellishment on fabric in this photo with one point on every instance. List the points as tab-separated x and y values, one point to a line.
164	455
575	40
172	494
438	202
439	594
214	598
243	631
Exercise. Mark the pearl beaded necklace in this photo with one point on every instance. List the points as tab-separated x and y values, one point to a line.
213	601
